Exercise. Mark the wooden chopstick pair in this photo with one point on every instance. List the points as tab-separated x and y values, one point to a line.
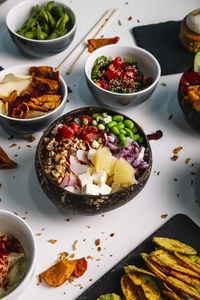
99	27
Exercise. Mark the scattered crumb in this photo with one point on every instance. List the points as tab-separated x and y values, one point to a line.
28	146
38	234
97	242
84	240
187	160
163	84
126	3
192	182
175	179
177	150
119	22
0	185
14	177
102	35
192	165
30	138
174	158
70	279
138	20
130	18
102	215
112	234
192	173
23	218
43	229
164	216
103	232
111	255
98	259
16	213
16	155
13	145
90	257
99	249
113	270
88	226
67	100
74	245
178	195
67	220
158	173
18	148
170	117
0	199
90	279
52	241
69	90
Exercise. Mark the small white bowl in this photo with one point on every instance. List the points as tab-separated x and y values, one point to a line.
10	223
20	13
23	126
147	64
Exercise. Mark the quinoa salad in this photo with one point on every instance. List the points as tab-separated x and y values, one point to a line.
95	154
119	75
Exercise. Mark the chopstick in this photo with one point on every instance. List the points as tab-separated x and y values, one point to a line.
87	37
107	22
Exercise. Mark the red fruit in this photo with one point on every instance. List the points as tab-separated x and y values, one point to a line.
64	132
119	63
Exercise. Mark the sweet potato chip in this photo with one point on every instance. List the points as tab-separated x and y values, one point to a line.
80	267
5	161
44	72
94	44
58	273
53	84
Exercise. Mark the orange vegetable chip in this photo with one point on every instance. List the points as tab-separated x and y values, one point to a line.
58	273
97	43
5	161
80	267
53	84
44	72
47	101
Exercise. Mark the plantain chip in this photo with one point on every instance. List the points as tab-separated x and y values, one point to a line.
128	288
173	245
133	269
58	273
182	286
190	261
171	295
164	258
154	267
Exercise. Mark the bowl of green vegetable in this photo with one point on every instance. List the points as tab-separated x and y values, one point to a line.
40	28
118	76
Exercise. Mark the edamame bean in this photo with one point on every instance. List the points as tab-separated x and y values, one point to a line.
115	130
129	124
118	118
120	125
123	143
135	130
101	127
129	132
95	115
104	114
136	137
122	137
84	121
99	140
111	124
99	119
141	140
123	131
94	122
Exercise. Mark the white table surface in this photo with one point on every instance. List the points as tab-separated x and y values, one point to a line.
132	223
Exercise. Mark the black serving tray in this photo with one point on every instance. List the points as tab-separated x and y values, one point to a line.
179	227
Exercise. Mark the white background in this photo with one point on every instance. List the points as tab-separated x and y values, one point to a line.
20	191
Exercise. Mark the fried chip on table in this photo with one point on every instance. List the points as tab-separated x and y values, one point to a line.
164	258
189	261
174	245
80	267
58	273
94	44
5	161
128	288
182	286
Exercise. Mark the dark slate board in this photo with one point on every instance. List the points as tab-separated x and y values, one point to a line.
179	227
162	40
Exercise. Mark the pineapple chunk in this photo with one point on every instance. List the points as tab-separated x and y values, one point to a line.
104	161
124	173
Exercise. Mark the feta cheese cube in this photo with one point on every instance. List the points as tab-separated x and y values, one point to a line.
91	154
99	177
104	189
85	178
90	189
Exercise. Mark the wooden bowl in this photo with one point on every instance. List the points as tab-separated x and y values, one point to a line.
79	203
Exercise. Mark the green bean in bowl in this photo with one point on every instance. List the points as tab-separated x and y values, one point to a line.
48	22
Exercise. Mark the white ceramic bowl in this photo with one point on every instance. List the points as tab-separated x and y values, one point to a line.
10	223
20	13
23	126
147	63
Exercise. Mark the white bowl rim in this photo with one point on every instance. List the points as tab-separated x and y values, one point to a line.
30	270
40	117
41	41
130	47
